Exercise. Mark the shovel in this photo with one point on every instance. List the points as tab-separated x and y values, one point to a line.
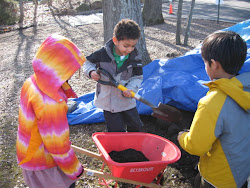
162	111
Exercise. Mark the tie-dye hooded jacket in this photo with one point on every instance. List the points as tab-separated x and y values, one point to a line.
43	131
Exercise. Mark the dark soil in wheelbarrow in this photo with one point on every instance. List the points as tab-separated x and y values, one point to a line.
128	155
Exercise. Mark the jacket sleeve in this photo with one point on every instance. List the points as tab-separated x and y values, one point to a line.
88	67
54	130
202	131
134	83
93	60
69	91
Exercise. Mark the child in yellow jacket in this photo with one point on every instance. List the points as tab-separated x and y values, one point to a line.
220	131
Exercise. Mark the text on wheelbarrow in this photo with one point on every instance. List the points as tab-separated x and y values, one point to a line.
141	169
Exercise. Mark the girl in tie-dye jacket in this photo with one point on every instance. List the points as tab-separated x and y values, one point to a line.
43	147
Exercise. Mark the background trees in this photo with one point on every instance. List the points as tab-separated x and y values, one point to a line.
152	12
21	17
178	24
115	10
8	12
187	31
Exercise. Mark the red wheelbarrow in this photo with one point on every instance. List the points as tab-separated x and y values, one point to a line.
158	150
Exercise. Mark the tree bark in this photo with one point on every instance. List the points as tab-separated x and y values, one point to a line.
35	12
152	12
178	29
189	23
114	11
70	4
49	3
21	14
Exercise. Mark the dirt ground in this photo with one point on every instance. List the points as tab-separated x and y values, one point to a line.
17	49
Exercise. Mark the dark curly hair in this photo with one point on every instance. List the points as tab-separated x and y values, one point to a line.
226	47
127	29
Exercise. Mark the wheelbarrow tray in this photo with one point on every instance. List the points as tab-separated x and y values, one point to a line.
158	150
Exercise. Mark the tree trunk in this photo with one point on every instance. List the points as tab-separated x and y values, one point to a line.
189	23
114	11
70	4
152	12
49	3
178	29
35	12
21	14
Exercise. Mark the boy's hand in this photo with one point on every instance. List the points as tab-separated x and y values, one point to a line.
181	132
94	75
127	93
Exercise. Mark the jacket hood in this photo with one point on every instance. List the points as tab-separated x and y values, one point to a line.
238	88
56	60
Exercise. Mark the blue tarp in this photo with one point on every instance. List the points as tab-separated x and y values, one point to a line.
178	82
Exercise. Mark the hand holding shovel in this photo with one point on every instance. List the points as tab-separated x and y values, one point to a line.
162	111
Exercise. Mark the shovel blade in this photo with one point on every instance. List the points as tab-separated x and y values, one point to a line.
167	112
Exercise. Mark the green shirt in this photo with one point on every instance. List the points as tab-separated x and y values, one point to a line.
119	59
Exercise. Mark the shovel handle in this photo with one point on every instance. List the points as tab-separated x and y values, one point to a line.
114	83
164	112
137	96
133	94
123	88
111	82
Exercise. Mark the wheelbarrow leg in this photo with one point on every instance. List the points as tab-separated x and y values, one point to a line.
102	181
159	178
156	181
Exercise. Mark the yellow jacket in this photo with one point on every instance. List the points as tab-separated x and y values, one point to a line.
220	131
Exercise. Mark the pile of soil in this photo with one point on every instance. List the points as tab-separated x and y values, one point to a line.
128	155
